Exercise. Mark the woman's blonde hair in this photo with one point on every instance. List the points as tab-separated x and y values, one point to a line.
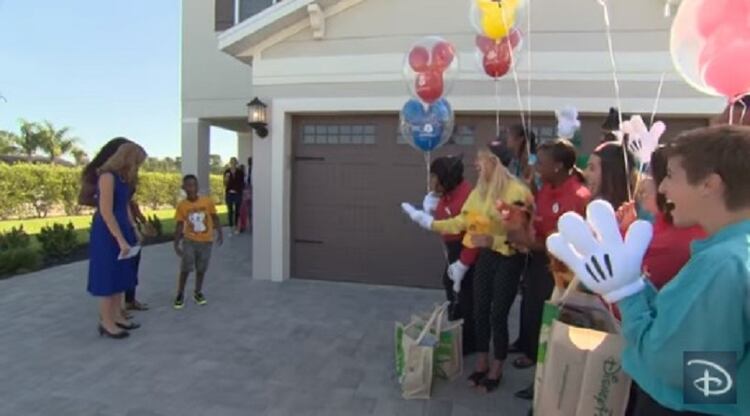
125	162
493	188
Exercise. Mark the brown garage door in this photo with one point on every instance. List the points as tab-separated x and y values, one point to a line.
350	174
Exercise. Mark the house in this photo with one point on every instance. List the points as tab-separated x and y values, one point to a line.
329	177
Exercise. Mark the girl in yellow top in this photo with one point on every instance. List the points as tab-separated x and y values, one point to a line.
499	268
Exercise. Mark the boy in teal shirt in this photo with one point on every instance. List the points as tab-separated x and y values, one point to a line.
706	307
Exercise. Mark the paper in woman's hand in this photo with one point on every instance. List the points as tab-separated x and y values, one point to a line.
131	253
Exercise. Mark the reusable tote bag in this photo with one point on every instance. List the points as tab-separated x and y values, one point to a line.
581	367
415	351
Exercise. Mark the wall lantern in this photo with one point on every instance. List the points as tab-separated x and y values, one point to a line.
257	117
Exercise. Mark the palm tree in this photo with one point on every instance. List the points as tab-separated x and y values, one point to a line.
28	141
55	143
80	156
8	143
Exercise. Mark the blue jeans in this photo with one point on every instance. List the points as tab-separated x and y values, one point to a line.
234	200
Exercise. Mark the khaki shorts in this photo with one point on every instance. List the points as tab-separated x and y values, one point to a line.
195	256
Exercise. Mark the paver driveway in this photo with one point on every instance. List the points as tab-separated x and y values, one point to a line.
257	348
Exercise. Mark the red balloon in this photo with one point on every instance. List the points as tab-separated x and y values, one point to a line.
485	44
419	57
726	70
430	85
715	14
497	60
442	55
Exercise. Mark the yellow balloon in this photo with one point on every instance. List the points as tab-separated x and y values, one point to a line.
495	28
497	18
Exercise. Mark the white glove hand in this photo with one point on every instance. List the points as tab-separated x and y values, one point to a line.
419	217
597	254
430	203
456	273
642	142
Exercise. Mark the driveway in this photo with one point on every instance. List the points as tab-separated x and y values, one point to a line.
257	348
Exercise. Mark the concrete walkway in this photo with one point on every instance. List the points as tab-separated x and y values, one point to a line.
257	348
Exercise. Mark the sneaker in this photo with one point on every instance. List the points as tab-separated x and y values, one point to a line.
179	302
199	299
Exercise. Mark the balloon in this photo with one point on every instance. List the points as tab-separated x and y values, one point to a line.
727	70
443	55
495	18
419	57
495	57
567	122
497	61
430	68
427	128
710	46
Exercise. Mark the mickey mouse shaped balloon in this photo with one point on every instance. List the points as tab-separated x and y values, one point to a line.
430	68
495	19
710	46
496	58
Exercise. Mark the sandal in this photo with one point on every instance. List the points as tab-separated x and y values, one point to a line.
523	363
136	306
490	385
477	377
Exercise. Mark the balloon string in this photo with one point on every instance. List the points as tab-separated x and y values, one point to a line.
616	81
497	108
731	112
744	111
515	81
658	98
528	75
427	159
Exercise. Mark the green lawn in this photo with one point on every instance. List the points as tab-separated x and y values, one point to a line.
83	222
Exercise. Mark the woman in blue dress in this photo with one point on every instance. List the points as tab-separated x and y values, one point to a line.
113	236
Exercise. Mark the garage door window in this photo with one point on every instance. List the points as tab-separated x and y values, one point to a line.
338	134
463	135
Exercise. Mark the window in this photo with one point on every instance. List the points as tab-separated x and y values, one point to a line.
346	134
463	135
249	8
544	133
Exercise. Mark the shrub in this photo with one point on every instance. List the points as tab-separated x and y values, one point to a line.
18	260
13	239
58	241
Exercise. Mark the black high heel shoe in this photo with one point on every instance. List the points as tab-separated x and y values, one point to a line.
129	327
103	332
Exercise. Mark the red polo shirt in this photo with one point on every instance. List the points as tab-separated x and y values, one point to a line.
551	202
669	250
450	205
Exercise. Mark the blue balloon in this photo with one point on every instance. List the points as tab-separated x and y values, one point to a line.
427	128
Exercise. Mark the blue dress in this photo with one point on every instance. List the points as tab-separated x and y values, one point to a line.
107	275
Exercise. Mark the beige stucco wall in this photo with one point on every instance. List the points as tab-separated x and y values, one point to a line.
363	49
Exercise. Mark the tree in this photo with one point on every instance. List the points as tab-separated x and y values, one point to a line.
80	156
8	143
217	166
54	142
28	141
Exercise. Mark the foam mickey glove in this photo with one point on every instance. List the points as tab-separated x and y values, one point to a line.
456	273
430	203
598	255
420	217
642	141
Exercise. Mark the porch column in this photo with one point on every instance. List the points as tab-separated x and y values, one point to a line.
196	145
244	147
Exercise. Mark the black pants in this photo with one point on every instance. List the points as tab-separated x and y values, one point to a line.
641	404
538	284
130	294
461	306
496	281
234	200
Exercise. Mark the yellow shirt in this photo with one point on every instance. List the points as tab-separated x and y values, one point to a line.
196	215
480	217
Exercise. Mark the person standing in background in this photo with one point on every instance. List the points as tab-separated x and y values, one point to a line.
234	183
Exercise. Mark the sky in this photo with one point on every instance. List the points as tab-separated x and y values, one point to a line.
102	68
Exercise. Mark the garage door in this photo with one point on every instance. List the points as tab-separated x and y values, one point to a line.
350	175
